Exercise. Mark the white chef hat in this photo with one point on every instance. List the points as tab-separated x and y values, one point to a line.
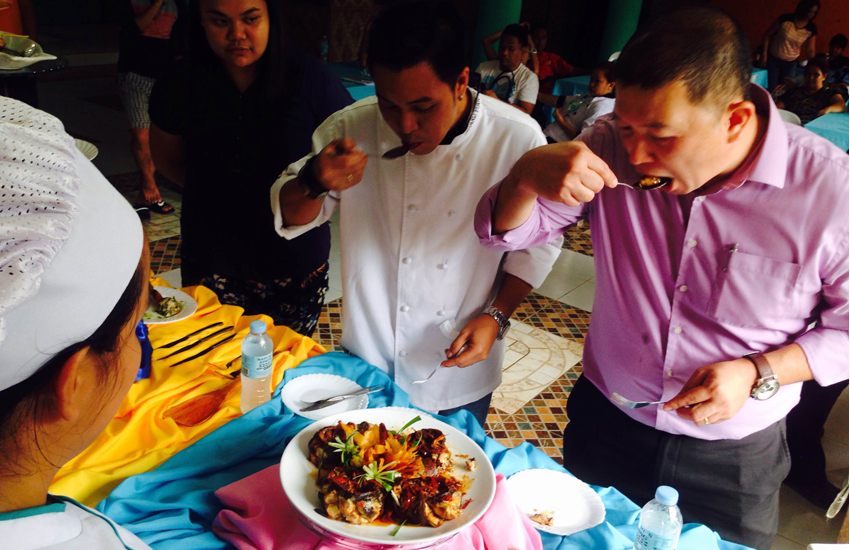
69	242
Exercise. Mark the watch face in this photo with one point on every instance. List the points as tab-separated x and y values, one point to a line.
766	390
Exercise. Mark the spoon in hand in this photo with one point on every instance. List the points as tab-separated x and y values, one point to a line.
647	183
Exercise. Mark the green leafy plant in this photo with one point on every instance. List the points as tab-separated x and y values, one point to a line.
383	475
348	448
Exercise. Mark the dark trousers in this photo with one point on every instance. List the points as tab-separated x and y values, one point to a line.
778	70
477	408
732	486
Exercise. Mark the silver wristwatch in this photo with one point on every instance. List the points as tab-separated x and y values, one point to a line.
501	318
767	383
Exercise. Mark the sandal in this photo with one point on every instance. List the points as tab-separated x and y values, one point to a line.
161	207
143	211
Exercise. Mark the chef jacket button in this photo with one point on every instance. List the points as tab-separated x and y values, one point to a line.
406	261
441	313
677	330
459	156
683	288
404	309
692	243
402	353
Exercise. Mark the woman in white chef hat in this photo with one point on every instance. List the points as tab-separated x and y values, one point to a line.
73	287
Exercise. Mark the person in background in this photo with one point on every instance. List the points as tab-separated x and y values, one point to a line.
505	77
225	124
719	274
784	40
814	98
575	114
551	66
66	360
420	293
838	62
146	52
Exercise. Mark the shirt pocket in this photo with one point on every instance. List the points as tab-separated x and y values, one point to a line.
753	291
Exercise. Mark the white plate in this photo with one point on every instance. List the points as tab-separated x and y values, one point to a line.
307	388
298	477
89	150
573	505
19	43
190	306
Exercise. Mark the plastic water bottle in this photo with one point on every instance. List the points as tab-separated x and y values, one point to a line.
324	47
660	521
257	351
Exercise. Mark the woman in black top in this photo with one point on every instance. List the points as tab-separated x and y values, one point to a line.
226	124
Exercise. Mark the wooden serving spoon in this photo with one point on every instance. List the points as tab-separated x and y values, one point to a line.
200	408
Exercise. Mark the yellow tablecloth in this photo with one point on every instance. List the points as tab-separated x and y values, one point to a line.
139	438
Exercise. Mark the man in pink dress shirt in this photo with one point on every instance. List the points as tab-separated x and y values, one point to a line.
744	252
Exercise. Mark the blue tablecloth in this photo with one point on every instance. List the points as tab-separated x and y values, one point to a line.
358	84
173	507
759	77
832	126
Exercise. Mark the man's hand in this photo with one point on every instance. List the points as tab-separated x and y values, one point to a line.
340	165
477	337
562	172
717	392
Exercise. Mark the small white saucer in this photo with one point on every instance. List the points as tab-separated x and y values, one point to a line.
300	392
570	502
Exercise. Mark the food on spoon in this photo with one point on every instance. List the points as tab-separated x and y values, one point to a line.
652	182
368	473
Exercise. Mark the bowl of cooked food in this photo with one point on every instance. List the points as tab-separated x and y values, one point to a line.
386	478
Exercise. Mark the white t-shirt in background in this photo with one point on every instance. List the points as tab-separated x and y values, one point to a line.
581	111
510	86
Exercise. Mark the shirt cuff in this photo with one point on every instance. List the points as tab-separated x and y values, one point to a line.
292	231
533	265
517	238
826	350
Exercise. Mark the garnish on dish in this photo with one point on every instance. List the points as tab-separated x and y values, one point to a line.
368	473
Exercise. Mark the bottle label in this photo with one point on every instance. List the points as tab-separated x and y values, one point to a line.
647	540
257	367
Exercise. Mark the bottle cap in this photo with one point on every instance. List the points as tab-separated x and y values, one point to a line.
667	495
258	327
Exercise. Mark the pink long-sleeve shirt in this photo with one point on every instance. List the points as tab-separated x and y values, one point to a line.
672	296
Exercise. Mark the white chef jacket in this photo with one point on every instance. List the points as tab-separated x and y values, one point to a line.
64	524
410	258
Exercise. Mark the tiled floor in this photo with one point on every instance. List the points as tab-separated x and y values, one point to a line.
89	108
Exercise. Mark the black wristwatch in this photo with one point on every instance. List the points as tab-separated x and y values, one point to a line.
309	184
501	318
767	383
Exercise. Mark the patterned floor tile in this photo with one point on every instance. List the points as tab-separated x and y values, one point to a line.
577	238
165	254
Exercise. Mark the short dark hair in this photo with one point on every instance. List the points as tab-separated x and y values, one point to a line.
29	399
804	7
607	68
838	41
701	46
517	31
821	62
409	33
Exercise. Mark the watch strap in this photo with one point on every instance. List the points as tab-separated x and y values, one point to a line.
765	373
310	185
501	318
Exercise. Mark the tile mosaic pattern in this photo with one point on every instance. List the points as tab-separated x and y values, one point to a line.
577	238
160	226
165	254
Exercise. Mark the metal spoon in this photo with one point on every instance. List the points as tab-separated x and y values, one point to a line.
396	152
629	404
433	372
647	183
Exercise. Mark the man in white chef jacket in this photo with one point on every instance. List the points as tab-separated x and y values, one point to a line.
406	168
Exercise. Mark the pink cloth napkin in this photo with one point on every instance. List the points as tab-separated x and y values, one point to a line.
257	516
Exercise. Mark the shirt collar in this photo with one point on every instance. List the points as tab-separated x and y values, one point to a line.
768	163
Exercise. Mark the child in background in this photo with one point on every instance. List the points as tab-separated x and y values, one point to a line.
576	113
